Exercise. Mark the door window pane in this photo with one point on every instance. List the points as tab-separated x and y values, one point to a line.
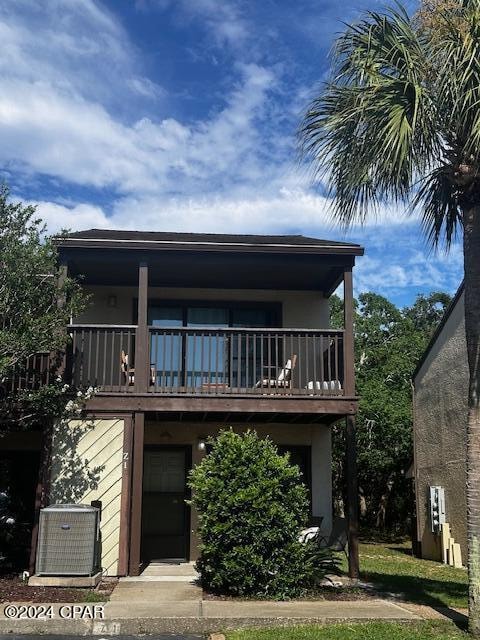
207	317
251	318
166	349
165	316
246	353
207	353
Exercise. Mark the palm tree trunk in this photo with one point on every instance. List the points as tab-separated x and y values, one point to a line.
471	250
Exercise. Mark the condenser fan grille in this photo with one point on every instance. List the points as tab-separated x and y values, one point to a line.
68	540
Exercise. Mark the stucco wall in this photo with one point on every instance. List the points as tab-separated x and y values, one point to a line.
317	436
440	417
301	309
86	466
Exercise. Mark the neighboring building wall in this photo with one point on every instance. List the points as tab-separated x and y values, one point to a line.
301	309
440	419
317	436
86	466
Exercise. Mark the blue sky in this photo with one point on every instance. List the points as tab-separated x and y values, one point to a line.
181	115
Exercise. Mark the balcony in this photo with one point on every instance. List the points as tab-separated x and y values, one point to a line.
205	362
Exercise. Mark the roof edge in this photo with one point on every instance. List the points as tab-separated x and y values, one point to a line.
438	330
347	248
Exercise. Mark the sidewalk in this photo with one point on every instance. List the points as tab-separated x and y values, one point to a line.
201	616
166	599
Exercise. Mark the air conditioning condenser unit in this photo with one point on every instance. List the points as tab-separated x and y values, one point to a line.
68	540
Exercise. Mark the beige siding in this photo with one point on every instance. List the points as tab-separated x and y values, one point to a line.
86	466
440	420
301	309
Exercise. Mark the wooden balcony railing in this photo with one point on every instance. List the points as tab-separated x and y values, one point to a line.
209	361
36	371
94	358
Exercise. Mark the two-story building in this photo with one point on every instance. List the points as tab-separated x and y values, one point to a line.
187	334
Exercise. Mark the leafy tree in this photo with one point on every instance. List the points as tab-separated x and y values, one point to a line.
388	342
428	311
399	120
35	309
252	505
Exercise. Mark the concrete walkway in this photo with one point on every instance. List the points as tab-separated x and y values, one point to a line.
159	584
152	616
166	599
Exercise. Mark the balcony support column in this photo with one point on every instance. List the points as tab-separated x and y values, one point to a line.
350	428
141	337
348	349
137	494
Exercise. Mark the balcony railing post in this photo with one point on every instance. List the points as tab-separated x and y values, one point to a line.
350	429
348	348
141	335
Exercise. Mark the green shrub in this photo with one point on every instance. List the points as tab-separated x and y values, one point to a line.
251	505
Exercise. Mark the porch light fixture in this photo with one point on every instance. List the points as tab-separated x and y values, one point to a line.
201	444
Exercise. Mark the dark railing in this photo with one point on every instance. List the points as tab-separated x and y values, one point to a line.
246	361
29	375
209	361
101	356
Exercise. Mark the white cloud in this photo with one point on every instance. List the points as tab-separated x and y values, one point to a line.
47	130
223	19
409	269
75	47
75	218
78	107
283	209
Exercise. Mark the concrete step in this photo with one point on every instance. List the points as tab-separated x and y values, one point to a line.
155	592
169	569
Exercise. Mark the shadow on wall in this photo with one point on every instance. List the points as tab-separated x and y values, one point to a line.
71	475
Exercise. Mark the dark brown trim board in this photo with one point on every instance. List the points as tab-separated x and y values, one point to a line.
256	404
352	496
124	542
142	346
349	353
41	493
137	488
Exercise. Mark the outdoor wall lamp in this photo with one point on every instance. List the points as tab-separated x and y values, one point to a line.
201	444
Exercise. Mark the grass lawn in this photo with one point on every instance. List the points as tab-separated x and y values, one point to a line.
393	569
345	631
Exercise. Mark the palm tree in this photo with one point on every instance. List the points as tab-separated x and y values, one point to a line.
400	121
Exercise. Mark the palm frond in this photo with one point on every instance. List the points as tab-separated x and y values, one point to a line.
458	83
373	128
438	199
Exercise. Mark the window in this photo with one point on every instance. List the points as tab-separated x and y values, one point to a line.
183	359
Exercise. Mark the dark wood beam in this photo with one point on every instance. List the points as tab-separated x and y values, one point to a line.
350	436
273	417
348	348
125	505
336	279
142	365
137	491
352	496
41	491
340	406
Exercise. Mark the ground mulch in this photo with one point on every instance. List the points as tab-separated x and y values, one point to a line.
13	589
324	593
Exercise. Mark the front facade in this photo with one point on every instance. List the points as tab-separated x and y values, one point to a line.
440	410
187	334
